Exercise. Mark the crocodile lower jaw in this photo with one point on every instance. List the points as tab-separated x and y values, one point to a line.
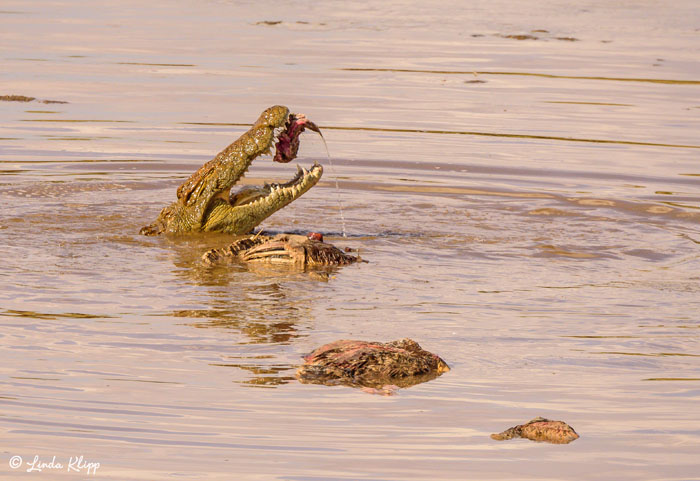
273	195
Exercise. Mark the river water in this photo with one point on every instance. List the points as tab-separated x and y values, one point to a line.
524	180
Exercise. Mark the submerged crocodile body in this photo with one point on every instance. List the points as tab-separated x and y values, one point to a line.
204	202
401	363
297	250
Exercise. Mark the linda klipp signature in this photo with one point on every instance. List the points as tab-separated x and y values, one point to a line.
74	464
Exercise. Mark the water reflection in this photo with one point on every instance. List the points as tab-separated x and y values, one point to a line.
264	376
264	310
264	304
259	320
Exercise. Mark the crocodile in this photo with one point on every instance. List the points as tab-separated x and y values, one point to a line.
373	365
295	250
540	429
205	202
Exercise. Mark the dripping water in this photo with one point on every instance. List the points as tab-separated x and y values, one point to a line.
337	187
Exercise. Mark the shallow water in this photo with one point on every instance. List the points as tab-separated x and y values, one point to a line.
529	209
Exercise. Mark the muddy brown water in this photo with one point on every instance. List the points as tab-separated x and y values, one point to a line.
523	180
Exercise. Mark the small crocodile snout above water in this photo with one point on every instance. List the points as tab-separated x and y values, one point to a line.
542	430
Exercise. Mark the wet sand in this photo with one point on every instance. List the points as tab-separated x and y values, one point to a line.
523	181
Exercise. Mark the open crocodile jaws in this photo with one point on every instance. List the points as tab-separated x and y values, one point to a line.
205	203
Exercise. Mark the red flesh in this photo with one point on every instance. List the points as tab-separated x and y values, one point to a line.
287	144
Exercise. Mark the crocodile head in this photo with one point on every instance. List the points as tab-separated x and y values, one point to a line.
205	203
